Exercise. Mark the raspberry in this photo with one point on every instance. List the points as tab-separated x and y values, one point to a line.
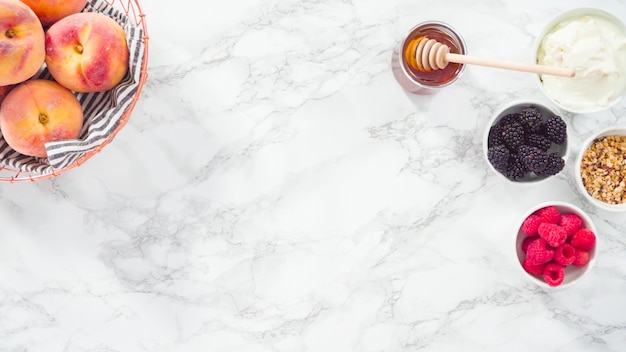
549	214
531	225
565	254
532	268
553	274
571	223
581	258
584	239
553	234
538	252
527	241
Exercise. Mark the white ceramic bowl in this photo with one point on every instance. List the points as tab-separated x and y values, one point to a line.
515	107
573	274
569	14
609	131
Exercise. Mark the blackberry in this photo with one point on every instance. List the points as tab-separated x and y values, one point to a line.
516	169
538	128
513	135
533	158
509	119
529	118
554	166
555	129
539	141
495	136
498	157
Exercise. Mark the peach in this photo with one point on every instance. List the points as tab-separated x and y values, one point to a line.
4	90
22	46
87	52
37	112
50	11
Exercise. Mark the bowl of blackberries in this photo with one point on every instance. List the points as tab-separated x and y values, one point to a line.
526	142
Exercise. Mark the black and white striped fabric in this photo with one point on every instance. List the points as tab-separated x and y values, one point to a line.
102	111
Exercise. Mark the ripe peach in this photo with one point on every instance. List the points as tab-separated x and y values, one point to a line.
22	46
37	112
4	90
87	52
50	11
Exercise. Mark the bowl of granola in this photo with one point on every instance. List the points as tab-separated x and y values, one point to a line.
600	169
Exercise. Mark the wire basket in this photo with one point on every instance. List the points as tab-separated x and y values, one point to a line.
109	110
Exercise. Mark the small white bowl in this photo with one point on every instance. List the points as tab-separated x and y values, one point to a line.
609	131
566	15
573	274
515	107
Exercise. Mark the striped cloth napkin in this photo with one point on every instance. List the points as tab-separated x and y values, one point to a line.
102	111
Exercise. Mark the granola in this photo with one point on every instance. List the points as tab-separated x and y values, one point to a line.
603	169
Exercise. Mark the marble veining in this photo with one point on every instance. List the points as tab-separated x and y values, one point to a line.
277	190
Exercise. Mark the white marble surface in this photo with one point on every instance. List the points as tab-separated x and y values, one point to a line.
276	190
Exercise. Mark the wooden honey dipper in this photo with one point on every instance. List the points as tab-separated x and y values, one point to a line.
433	55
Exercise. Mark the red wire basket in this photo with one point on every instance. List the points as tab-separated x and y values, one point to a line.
134	17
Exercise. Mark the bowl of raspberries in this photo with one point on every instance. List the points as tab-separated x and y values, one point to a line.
526	142
556	244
